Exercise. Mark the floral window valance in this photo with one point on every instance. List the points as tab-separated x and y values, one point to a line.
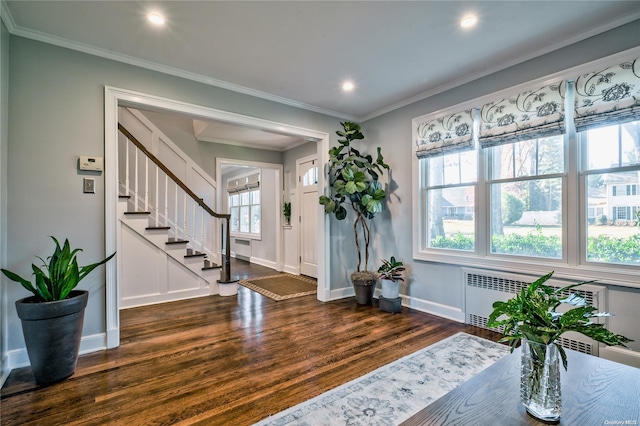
609	96
528	115
451	133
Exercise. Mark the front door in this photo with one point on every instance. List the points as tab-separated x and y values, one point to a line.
308	190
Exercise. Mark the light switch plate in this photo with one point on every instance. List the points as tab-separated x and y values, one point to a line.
89	185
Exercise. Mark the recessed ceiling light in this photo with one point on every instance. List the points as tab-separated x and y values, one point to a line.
468	21
155	19
347	86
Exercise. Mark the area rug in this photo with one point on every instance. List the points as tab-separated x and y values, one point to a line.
282	286
396	391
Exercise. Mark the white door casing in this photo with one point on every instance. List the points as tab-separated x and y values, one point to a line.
115	97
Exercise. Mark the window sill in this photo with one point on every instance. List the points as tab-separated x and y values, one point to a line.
241	236
619	275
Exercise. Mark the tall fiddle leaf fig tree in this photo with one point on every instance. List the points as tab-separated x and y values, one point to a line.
353	182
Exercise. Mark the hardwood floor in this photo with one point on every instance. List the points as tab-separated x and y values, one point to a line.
223	360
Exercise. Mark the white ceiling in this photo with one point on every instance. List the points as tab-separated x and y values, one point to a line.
300	52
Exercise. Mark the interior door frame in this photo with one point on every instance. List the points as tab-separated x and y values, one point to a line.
114	97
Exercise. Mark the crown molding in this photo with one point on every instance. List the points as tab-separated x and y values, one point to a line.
475	76
130	60
14	29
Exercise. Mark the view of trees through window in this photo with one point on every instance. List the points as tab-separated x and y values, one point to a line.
612	168
526	197
525	192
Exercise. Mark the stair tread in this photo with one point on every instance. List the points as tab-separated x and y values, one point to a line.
124	196
176	241
214	266
195	254
150	228
138	213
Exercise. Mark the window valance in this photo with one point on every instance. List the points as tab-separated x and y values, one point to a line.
453	132
244	183
529	115
609	96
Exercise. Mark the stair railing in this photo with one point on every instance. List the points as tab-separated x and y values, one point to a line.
150	187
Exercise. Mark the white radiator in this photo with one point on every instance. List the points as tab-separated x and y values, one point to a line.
483	287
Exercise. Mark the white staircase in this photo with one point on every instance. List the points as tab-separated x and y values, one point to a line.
167	246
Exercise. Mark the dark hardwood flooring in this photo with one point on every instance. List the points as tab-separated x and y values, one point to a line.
223	360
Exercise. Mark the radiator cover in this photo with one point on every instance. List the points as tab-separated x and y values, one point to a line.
483	287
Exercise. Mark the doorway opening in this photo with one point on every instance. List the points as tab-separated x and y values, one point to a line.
115	97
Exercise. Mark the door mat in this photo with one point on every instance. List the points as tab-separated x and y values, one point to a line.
282	286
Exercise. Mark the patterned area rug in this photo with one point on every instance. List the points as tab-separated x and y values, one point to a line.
282	286
395	392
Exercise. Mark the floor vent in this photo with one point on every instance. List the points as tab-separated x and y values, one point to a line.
483	287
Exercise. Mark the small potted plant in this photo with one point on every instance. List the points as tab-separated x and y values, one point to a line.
353	182
286	210
52	318
390	275
532	319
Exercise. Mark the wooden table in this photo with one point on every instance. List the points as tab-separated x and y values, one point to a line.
595	391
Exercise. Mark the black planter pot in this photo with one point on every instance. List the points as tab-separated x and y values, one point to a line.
364	285
52	333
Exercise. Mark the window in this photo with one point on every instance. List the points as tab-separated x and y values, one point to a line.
244	205
450	198
245	212
526	189
611	159
554	178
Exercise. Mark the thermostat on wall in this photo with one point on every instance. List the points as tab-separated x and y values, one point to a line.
91	163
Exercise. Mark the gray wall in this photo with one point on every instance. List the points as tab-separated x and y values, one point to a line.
4	143
56	114
439	283
180	130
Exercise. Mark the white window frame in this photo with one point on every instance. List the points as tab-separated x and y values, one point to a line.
573	265
239	233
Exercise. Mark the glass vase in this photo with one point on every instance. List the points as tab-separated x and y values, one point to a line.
540	380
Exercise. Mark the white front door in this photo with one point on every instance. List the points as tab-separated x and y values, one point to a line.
308	189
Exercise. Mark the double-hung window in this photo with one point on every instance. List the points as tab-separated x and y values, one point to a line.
611	169
447	145
244	205
526	192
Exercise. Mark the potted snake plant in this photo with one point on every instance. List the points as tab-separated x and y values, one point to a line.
52	318
354	184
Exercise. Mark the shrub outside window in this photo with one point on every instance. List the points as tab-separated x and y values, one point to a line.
451	201
611	157
526	198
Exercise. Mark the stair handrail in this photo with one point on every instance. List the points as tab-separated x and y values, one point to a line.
226	270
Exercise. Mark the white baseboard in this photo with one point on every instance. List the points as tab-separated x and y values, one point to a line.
621	355
263	262
341	293
4	369
444	311
153	299
18	358
295	270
